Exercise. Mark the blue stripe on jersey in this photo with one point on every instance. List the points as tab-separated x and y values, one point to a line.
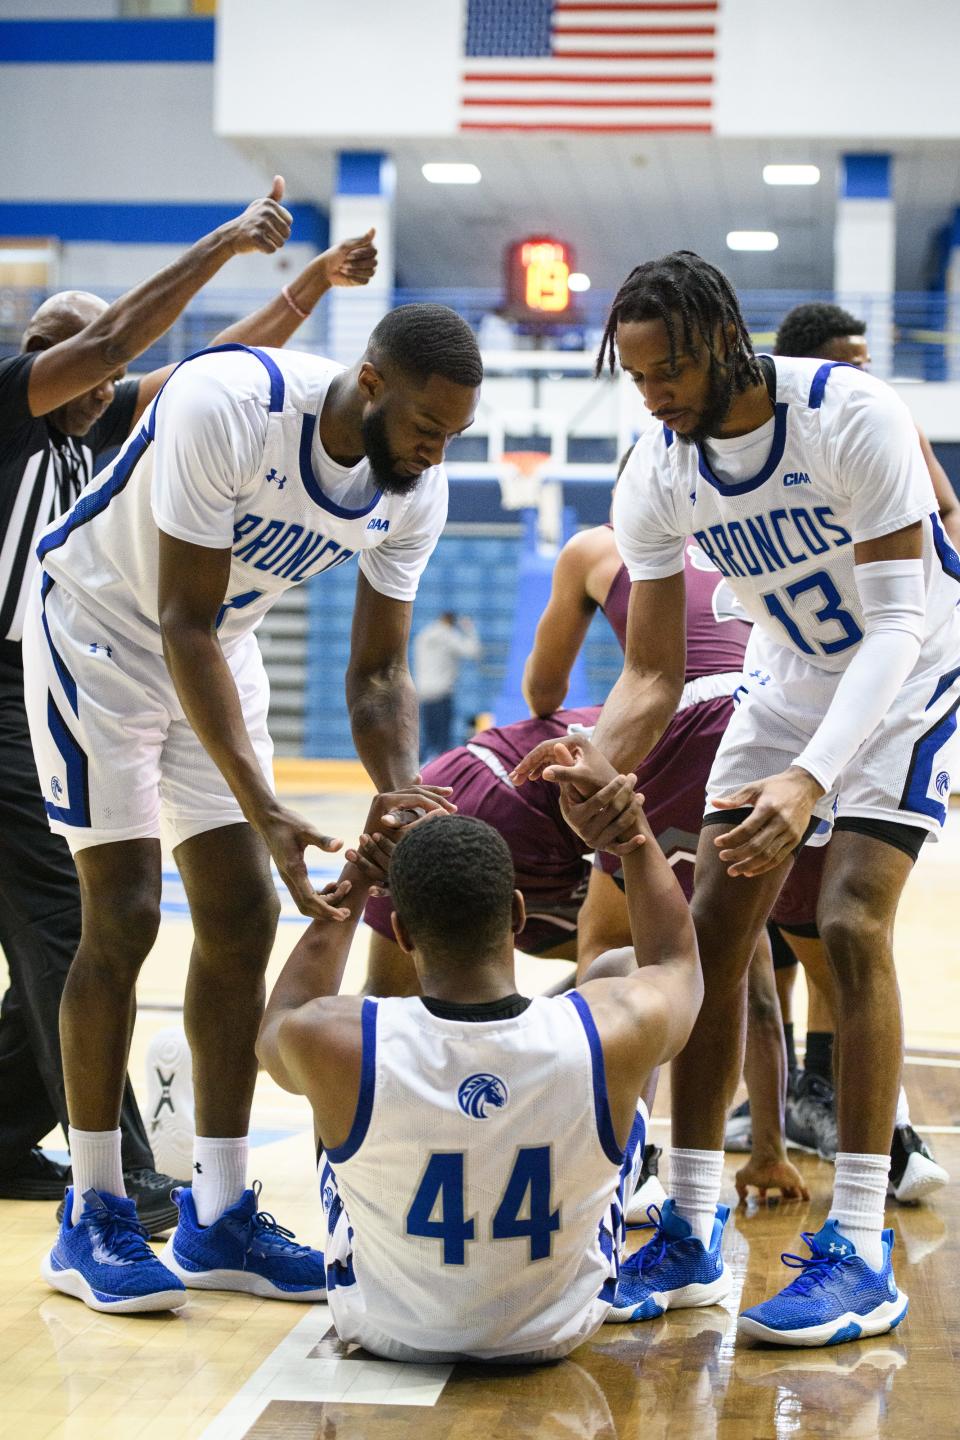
75	760
946	554
312	485
90	505
819	383
943	686
773	459
277	383
916	796
59	664
601	1103
667	436
93	502
368	1074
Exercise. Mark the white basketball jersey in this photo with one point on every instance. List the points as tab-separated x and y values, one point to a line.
229	455
475	1207
840	463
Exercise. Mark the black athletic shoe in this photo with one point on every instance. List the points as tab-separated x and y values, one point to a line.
914	1174
36	1177
150	1190
810	1121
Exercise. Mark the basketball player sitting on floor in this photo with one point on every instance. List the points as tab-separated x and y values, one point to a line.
477	1143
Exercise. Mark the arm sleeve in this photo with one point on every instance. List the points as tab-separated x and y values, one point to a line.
114	426
875	451
208	447
894	607
394	568
644	527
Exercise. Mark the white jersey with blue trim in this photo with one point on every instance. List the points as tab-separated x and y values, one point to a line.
476	1206
229	455
778	511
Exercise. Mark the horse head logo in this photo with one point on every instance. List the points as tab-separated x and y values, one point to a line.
480	1093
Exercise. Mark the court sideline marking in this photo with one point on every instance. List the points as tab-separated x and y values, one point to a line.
292	1372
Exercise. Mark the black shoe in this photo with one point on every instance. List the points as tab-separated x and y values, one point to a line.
914	1174
810	1121
150	1191
649	1189
36	1177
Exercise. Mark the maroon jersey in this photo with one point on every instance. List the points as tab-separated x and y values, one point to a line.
716	639
548	857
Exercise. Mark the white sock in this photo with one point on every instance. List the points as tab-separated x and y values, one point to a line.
95	1158
903	1110
219	1175
859	1197
695	1178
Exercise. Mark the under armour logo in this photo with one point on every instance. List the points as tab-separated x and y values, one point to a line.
103	649
759	676
198	1167
166	1083
838	1249
272	476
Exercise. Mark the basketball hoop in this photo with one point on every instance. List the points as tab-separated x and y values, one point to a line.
521	476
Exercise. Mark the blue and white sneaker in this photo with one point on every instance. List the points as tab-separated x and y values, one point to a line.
105	1261
244	1250
673	1270
836	1296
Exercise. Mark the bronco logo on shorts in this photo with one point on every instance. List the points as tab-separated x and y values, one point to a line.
943	783
478	1092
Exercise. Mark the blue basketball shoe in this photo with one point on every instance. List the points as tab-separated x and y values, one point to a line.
105	1261
244	1250
673	1270
835	1297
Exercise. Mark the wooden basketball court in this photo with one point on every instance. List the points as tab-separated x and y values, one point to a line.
230	1366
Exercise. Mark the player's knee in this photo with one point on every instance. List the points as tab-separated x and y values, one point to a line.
241	931
120	931
857	939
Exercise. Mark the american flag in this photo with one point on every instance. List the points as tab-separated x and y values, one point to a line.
591	66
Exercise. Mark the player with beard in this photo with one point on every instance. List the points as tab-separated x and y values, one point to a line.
147	697
804	481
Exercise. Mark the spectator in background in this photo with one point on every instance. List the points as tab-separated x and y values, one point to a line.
827	332
438	652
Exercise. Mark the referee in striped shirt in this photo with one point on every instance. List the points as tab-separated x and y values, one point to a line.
63	402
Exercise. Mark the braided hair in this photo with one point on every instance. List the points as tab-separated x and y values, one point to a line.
692	298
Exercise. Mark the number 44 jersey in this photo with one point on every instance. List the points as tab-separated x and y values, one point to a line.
778	511
476	1207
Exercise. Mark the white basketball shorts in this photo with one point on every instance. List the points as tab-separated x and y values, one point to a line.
115	753
900	773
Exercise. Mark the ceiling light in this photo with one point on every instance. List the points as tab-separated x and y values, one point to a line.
791	175
578	281
453	174
752	240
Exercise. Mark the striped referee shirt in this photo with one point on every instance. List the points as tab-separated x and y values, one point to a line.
42	471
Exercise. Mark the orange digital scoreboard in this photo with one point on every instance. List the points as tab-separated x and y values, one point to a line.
538	278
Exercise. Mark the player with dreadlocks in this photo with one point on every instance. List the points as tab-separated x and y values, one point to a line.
804	482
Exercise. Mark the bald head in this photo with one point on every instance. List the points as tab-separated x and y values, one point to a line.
60	317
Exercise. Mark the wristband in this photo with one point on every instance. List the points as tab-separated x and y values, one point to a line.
304	314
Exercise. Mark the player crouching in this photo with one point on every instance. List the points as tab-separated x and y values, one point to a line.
475	1145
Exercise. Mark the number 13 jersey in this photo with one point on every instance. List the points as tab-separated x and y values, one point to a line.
778	511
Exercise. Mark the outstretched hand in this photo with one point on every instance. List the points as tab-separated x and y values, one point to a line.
600	804
352	262
391	815
780	809
265	224
287	836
